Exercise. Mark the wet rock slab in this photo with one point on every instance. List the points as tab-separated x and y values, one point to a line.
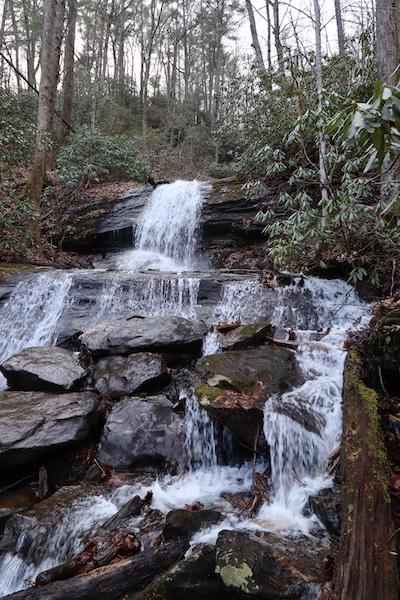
245	336
33	424
117	376
27	532
143	430
44	368
153	334
181	523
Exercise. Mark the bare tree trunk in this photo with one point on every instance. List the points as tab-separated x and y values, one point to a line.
269	62
44	118
388	40
3	22
254	35
69	63
58	32
30	47
388	57
339	27
277	33
17	44
318	68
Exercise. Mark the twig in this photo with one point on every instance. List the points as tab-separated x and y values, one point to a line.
393	274
255	457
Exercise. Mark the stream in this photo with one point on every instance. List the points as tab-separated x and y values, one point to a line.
164	274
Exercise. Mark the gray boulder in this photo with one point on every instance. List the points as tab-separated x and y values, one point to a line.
117	376
141	430
153	334
45	368
35	423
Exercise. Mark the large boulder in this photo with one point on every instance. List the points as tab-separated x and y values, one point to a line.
44	368
117	376
234	386
254	568
152	334
35	423
139	431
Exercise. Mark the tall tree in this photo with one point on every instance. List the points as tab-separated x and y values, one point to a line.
388	58
47	89
69	64
254	35
339	28
388	40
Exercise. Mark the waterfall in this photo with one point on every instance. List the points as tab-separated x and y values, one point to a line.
166	233
301	426
29	316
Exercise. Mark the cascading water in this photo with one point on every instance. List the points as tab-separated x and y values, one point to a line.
301	427
166	234
29	317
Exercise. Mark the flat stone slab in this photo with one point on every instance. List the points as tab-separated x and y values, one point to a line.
44	368
154	334
33	424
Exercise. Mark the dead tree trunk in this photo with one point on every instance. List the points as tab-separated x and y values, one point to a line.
366	564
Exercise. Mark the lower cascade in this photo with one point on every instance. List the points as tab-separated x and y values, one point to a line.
226	434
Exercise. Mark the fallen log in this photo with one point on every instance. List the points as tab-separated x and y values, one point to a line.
365	568
112	581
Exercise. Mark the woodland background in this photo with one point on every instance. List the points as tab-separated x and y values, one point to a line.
300	97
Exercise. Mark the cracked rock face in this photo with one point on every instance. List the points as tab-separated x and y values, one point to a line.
33	424
44	368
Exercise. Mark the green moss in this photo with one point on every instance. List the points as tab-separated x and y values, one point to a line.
207	394
362	399
9	269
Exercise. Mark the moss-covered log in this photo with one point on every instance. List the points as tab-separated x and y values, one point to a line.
366	564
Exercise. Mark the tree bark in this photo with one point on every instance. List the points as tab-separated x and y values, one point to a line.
111	582
388	58
277	33
43	118
339	28
254	35
69	64
318	68
388	39
365	568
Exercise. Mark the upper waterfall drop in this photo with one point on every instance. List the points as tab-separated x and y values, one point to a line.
166	233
